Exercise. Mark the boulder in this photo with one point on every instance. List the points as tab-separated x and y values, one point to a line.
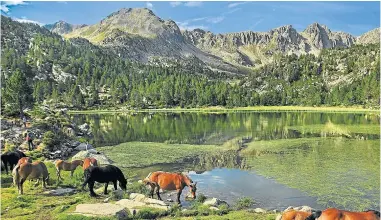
214	202
279	217
102	159
60	191
259	210
84	146
74	144
153	203
101	209
214	208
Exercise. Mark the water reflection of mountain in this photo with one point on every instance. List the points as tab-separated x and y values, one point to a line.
199	128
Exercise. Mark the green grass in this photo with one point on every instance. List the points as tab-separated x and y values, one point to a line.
142	154
236	215
339	170
216	109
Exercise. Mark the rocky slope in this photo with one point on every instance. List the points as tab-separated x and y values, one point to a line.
62	27
139	35
371	37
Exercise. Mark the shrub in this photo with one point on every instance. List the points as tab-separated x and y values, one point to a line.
8	147
50	139
201	198
244	203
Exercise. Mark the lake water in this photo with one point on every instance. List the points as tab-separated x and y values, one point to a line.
294	158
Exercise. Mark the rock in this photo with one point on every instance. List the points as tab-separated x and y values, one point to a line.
154	203
169	200
101	209
84	127
275	211
74	144
214	202
102	159
132	206
117	194
214	208
107	199
140	181
69	131
60	191
84	146
259	210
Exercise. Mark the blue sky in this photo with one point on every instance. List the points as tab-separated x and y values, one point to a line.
219	17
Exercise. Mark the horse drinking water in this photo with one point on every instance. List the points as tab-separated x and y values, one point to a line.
170	181
105	175
67	166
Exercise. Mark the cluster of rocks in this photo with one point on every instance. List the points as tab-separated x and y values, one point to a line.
121	208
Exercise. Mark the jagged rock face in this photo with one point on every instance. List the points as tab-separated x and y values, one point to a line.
62	27
371	37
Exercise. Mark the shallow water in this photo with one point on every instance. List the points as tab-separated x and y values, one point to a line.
315	159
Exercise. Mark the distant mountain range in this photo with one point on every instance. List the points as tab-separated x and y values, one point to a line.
138	34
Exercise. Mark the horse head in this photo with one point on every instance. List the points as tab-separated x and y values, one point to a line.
123	184
192	189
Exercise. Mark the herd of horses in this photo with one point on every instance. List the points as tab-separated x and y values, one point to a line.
23	168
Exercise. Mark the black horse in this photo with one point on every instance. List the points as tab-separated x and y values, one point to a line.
105	175
11	158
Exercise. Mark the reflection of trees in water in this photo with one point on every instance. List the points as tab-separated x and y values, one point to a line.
200	128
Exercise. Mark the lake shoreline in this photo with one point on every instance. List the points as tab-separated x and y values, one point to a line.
217	109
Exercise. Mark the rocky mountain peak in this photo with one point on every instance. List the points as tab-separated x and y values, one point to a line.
371	37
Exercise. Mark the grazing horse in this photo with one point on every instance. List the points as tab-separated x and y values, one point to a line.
336	214
170	181
11	158
89	161
109	173
67	166
295	215
36	170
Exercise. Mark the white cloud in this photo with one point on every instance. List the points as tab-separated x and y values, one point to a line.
232	5
256	23
186	26
149	5
193	4
5	5
175	4
25	20
215	20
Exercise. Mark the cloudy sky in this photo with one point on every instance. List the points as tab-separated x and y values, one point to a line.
219	17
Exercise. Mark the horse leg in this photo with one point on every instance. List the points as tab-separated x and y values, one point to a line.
43	182
91	186
21	185
71	173
178	196
105	191
152	190
6	167
38	181
158	192
59	174
115	185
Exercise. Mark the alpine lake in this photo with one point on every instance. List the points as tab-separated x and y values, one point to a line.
278	159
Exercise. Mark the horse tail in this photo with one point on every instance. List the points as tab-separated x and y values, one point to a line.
16	178
314	215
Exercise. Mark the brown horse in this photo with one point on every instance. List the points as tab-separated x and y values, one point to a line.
36	170
89	161
336	214
295	215
170	181
67	166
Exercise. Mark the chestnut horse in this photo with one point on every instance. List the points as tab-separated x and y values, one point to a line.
170	181
24	160
295	215
36	170
89	161
67	166
336	214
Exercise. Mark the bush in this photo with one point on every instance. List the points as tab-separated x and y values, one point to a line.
9	147
50	139
244	203
201	198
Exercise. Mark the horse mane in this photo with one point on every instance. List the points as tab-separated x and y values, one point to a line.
374	211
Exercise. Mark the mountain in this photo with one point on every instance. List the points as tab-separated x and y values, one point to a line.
371	37
62	27
139	35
